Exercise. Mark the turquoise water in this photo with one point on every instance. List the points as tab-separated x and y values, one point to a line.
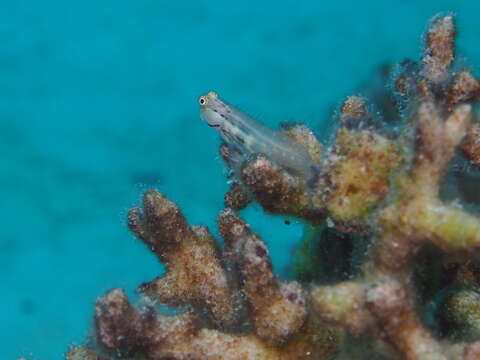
98	101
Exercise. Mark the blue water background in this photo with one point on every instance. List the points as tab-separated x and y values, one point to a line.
98	101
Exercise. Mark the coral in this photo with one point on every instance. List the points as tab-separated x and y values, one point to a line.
194	273
410	284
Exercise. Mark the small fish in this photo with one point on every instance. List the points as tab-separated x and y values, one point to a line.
246	136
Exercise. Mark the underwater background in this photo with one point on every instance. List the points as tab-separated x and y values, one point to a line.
99	102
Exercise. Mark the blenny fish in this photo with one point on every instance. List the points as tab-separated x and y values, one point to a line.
245	136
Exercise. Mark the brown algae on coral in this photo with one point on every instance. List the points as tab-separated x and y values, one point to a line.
381	190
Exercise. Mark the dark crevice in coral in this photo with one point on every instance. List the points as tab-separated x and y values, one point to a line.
335	251
460	184
448	295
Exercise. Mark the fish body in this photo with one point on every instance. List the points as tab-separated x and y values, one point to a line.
246	136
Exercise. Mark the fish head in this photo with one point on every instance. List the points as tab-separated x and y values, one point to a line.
213	110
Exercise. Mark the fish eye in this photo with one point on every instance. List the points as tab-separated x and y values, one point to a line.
202	100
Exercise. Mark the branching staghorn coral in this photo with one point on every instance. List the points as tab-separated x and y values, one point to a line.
413	290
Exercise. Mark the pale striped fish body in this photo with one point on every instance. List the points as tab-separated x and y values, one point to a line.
247	136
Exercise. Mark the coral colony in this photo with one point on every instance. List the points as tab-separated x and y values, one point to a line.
386	268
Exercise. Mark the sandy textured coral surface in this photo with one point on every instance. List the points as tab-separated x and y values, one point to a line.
410	288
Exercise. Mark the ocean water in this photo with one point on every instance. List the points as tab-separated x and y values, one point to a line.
98	102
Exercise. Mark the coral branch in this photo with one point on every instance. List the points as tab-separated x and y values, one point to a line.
471	145
354	113
179	337
277	191
439	49
237	197
344	305
119	325
464	88
278	309
418	214
194	273
436	142
392	305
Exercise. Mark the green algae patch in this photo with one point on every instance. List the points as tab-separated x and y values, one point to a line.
359	176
